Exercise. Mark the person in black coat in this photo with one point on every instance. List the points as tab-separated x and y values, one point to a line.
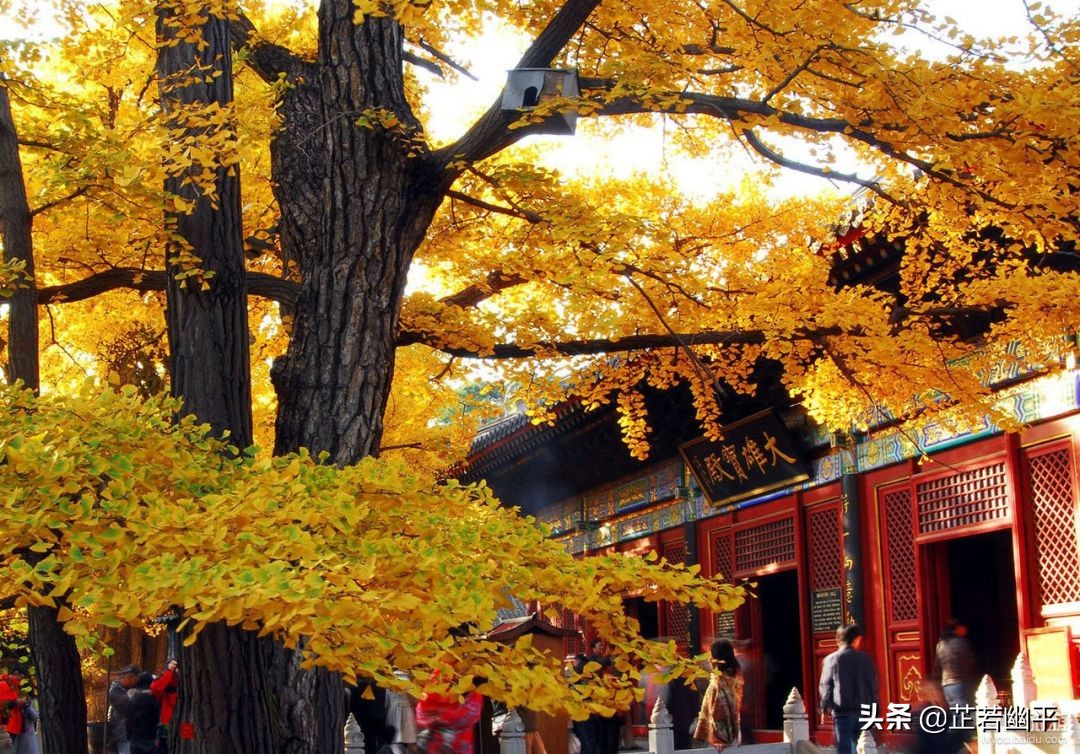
143	715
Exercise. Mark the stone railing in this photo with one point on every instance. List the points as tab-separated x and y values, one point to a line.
1061	737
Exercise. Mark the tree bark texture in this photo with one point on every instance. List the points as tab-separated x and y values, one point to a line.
298	165
311	703
208	330
225	697
61	696
56	658
378	201
225	703
15	227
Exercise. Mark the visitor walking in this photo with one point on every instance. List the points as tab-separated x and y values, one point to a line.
718	719
447	724
585	730
849	684
607	728
143	716
119	706
165	689
26	742
401	716
956	660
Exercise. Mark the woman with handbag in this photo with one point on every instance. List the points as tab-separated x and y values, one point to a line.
718	720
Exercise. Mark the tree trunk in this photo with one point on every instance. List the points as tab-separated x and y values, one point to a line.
61	696
311	703
225	696
56	658
298	167
15	226
208	329
334	382
353	243
225	704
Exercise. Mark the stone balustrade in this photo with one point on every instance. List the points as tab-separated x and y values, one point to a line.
1062	734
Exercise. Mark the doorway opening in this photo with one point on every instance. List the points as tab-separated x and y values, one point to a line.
976	584
648	618
647	614
777	643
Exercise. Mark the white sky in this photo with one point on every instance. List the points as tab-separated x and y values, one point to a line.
587	153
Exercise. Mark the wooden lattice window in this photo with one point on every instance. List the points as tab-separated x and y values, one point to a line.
969	497
725	557
765	544
1053	504
724	552
900	545
826	560
677	614
566	618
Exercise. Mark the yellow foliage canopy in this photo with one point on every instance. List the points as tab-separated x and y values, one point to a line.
965	150
116	513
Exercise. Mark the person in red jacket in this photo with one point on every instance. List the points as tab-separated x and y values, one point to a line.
164	690
11	703
447	721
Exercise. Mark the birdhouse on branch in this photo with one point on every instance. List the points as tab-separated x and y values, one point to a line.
528	88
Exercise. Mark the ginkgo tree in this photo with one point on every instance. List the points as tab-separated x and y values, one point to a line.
970	162
115	512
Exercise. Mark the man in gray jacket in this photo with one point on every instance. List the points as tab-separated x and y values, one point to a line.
848	683
119	704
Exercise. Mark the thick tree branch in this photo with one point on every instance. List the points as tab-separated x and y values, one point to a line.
735	109
472	295
258	284
57	202
440	55
753	140
710	49
490	133
268	60
590	347
530	217
40	145
427	65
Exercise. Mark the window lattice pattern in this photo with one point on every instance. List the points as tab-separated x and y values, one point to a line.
725	565
573	644
1053	503
969	497
678	616
725	557
764	545
901	549
826	560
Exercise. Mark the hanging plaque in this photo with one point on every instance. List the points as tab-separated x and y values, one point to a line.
755	456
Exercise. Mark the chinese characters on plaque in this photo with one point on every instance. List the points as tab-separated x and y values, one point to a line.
755	456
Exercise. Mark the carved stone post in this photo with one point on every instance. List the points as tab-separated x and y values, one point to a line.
661	739
512	735
354	737
866	744
1023	682
796	721
987	696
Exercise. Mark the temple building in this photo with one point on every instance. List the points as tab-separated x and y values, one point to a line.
897	532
